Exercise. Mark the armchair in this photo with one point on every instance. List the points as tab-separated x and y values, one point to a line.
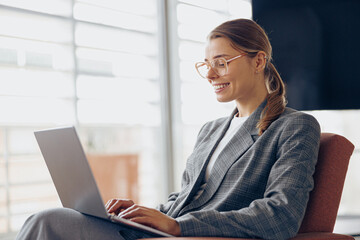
319	220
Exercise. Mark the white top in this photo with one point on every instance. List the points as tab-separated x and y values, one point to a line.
235	125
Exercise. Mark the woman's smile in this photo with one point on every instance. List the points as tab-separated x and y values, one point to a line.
220	87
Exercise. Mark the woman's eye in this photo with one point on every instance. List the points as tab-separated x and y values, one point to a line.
220	64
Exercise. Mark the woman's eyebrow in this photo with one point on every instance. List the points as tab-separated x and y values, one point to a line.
218	56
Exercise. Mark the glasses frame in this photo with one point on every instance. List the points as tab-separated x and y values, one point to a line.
211	65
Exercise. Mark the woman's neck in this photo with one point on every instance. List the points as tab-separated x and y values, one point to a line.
248	106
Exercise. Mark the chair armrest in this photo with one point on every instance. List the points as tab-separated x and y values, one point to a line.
300	236
199	238
321	236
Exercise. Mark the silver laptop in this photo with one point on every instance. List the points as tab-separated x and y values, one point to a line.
73	179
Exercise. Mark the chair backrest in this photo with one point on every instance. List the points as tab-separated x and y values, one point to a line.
334	155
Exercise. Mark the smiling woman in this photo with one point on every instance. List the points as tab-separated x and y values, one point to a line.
250	173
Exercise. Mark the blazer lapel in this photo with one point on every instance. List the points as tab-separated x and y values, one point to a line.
241	141
204	151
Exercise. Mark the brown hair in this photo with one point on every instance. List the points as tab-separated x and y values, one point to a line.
247	36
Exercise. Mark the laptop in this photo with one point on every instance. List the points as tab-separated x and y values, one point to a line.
73	179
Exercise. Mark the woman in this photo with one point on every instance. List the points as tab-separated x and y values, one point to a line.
249	175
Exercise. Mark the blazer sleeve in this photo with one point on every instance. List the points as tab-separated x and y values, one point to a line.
279	213
165	207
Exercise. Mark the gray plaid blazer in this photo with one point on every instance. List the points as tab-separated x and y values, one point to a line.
259	186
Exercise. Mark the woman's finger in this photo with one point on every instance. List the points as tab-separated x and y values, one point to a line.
118	205
153	218
115	206
109	203
132	211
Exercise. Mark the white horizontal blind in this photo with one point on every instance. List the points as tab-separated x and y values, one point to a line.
89	63
35	64
36	88
117	63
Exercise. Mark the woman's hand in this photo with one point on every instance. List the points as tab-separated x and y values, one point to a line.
152	218
116	205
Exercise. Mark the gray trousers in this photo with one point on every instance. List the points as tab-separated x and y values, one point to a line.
64	223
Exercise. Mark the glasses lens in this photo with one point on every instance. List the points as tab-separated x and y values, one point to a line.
202	69
220	66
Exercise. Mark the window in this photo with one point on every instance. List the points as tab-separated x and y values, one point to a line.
89	63
36	68
345	123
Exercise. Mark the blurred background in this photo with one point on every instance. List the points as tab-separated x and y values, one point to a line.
123	73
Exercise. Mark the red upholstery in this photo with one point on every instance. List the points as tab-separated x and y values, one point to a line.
318	223
334	154
321	236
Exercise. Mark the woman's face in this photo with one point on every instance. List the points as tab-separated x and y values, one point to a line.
241	83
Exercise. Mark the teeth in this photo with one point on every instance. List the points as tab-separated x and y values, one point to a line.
216	87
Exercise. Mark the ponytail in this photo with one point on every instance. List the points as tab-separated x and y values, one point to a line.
276	100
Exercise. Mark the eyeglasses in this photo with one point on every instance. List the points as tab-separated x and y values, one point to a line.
219	66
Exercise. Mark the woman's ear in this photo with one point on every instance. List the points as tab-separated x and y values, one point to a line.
260	61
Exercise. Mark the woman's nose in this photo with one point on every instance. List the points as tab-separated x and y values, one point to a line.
211	74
